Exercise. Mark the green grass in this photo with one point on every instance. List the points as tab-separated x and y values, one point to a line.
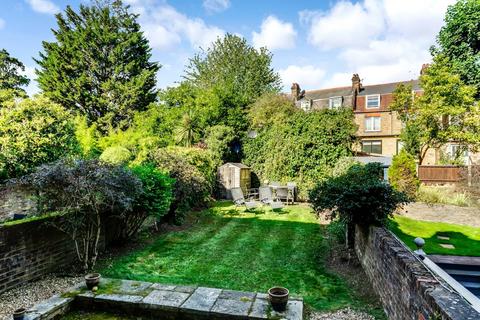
465	239
232	249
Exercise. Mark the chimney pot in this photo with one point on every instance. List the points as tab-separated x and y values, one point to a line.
295	90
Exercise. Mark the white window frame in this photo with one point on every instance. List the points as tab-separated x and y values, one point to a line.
371	142
373	124
331	101
306	105
369	96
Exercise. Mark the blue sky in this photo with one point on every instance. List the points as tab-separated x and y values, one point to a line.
315	43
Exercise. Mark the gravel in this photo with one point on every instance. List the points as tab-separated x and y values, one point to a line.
32	293
343	314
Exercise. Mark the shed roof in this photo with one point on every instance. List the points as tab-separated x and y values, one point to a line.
384	161
236	164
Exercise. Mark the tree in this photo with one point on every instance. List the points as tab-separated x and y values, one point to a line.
219	140
32	132
11	78
446	111
237	73
99	64
270	109
188	130
359	196
459	40
402	174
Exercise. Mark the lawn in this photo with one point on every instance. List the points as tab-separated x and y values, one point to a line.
465	239
229	248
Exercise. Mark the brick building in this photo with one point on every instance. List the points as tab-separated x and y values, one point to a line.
378	127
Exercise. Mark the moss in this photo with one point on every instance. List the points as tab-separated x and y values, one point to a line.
109	286
71	294
81	315
10	223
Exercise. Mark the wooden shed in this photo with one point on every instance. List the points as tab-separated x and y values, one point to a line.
233	175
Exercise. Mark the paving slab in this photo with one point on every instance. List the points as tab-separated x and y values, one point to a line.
231	308
261	309
202	299
443	238
134	287
116	297
163	299
237	295
161	286
186	289
447	246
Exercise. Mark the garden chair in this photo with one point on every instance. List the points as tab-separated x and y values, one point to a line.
283	194
266	197
239	199
292	188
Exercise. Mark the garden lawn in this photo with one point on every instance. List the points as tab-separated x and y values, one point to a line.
465	239
233	249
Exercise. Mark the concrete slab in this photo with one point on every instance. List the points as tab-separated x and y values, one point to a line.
134	287
261	309
163	299
202	299
186	289
231	308
161	286
115	297
447	246
237	295
443	238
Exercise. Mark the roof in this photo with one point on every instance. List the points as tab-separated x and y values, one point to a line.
385	161
382	88
236	164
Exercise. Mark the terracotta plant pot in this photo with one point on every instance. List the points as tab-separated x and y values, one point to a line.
92	280
19	314
278	297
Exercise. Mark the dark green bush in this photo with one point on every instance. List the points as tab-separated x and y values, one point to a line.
402	174
336	230
360	196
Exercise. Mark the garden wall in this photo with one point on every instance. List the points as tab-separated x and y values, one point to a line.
405	286
31	249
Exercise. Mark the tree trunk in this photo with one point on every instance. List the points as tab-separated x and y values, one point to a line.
350	235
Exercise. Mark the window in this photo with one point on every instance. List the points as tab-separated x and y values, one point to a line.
306	105
399	146
372	146
335	102
456	150
372	124
372	101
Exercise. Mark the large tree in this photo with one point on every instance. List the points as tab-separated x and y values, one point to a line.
99	64
11	78
459	40
237	73
445	112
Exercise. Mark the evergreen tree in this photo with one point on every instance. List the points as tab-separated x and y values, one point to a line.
99	64
11	78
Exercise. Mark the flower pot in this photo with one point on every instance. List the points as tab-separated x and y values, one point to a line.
19	314
278	297
92	280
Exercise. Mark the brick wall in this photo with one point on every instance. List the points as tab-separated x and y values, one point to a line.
30	250
406	288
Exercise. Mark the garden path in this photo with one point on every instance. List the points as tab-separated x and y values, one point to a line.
443	213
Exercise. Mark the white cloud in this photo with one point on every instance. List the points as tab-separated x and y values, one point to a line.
2	23
382	40
275	34
308	76
213	6
165	27
43	6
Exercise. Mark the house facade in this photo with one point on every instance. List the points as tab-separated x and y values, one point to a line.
378	127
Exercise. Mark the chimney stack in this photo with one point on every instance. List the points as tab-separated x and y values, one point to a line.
424	68
356	83
295	90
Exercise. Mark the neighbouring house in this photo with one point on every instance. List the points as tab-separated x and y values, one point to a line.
378	127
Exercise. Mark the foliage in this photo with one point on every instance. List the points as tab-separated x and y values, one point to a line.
302	149
445	195
11	78
270	109
336	229
444	112
33	132
465	239
192	187
219	141
216	254
86	192
99	64
87	137
188	130
236	73
402	174
360	196
459	40
116	155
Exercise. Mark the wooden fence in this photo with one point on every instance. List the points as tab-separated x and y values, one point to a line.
440	174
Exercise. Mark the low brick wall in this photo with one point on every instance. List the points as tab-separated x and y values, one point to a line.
30	250
405	286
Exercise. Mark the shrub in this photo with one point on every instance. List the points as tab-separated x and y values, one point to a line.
191	188
219	141
402	174
116	155
86	193
445	195
302	149
336	229
360	196
33	132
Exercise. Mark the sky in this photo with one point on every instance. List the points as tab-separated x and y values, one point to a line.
318	44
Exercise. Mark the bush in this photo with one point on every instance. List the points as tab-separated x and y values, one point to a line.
85	193
116	155
303	149
336	229
33	132
445	195
191	188
219	141
402	174
360	196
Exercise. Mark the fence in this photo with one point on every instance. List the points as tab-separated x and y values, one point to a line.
440	174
